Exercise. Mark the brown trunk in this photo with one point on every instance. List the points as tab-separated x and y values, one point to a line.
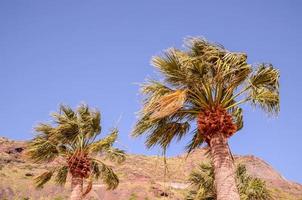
77	188
224	169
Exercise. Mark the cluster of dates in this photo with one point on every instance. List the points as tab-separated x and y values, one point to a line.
79	164
215	121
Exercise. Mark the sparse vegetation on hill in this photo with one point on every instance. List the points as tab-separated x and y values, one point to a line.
140	176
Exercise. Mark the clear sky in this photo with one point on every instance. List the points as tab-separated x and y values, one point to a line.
61	51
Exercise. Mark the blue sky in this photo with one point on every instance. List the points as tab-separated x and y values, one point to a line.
97	52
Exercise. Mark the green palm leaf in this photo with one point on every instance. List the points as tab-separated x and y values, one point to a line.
104	143
107	175
61	175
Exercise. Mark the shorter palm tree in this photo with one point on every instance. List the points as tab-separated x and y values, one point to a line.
203	186
70	144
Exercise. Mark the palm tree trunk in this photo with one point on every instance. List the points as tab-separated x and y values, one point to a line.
77	188
224	169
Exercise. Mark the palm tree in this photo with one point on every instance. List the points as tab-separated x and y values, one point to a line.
207	84
70	144
202	182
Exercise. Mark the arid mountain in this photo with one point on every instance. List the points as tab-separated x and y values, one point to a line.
141	177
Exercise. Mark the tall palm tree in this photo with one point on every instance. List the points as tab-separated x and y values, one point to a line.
202	183
70	144
207	84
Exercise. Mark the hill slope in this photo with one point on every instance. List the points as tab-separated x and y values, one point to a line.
141	177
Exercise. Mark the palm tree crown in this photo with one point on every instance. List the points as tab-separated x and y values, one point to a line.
205	82
203	188
70	144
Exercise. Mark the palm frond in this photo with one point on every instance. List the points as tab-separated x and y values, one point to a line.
171	67
266	100
237	117
67	112
196	141
95	170
43	128
256	189
66	132
65	115
155	88
42	149
43	178
166	105
202	184
104	143
61	175
143	125
250	187
107	175
165	132
115	154
89	121
266	77
201	47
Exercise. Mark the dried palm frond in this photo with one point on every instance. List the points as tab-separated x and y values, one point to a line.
167	104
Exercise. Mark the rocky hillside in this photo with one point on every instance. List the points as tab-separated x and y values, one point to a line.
142	177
